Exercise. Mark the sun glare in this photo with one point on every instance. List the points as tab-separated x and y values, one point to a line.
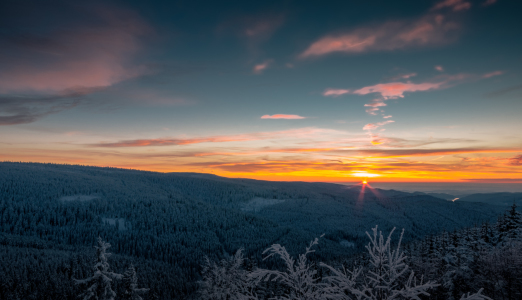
364	174
365	182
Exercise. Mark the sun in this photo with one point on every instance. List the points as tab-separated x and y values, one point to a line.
365	182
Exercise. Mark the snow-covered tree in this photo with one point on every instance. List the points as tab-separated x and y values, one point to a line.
99	284
130	283
226	280
476	296
300	277
387	277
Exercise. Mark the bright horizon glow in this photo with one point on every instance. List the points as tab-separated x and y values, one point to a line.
255	90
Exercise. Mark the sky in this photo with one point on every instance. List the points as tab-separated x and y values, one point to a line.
336	91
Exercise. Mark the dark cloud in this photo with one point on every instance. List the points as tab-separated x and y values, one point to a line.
29	108
98	48
504	91
516	161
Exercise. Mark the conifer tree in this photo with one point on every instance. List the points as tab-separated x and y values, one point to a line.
226	280
130	283
99	284
512	221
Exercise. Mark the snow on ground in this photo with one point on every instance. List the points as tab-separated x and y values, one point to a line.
347	244
258	203
120	222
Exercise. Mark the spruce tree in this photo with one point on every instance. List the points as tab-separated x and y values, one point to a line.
513	219
130	283
99	284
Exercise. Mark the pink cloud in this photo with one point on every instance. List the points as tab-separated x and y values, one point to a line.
455	5
406	76
394	90
335	92
428	30
279	116
439	68
376	103
492	74
259	68
97	55
373	126
387	117
373	108
403	76
255	136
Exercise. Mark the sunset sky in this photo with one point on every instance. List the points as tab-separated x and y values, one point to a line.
278	90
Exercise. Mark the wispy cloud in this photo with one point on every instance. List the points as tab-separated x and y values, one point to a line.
253	29
389	153
494	180
489	2
261	25
409	75
52	70
439	68
393	90
374	106
516	161
493	74
335	92
431	29
94	55
259	68
455	5
504	91
292	133
373	126
16	110
281	116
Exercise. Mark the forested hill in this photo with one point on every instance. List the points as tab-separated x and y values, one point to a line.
165	223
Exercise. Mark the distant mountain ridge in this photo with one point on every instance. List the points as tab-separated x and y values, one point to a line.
504	199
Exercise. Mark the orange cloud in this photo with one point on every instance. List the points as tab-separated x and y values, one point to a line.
432	29
308	164
280	116
373	126
391	153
